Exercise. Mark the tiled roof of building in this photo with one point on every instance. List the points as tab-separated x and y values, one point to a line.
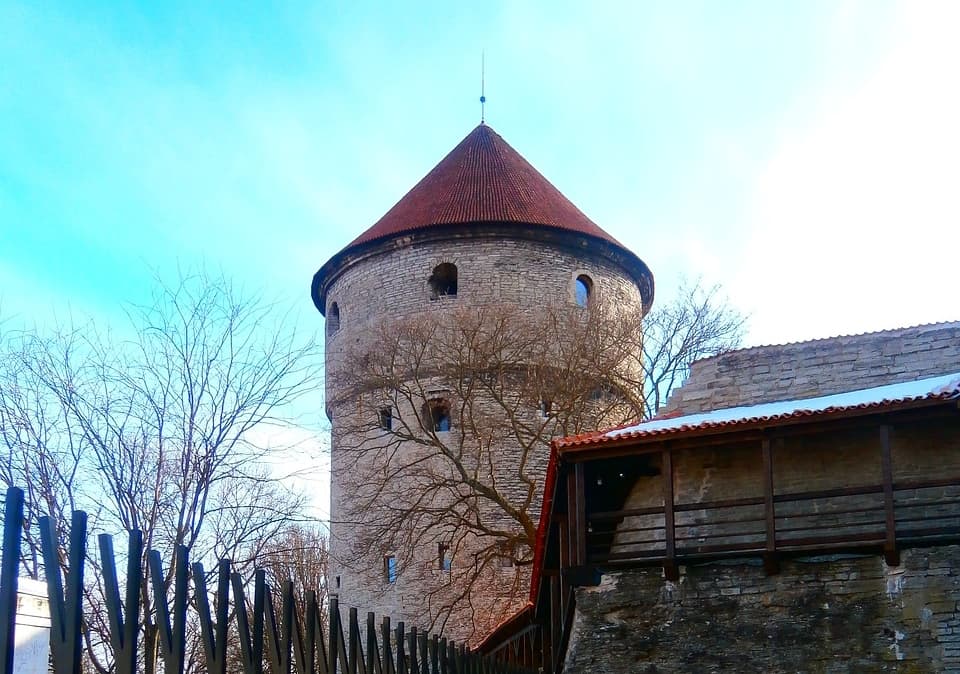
483	179
943	387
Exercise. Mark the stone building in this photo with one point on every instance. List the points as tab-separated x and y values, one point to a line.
483	233
796	508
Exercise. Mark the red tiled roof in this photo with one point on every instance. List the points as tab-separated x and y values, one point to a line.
878	398
483	179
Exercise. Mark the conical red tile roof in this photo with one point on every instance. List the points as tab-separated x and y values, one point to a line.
483	179
484	184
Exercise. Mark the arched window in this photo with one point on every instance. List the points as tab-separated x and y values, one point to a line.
443	281
582	289
436	415
333	319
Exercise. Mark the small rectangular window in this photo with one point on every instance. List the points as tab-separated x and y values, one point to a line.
390	568
505	555
338	582
386	418
445	558
546	408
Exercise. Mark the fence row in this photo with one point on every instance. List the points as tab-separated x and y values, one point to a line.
291	641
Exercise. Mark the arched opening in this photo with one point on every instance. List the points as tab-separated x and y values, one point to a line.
582	290
333	318
436	415
443	281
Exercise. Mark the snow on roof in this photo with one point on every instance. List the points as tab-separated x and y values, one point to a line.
941	387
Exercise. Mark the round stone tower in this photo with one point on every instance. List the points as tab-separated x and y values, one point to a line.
482	231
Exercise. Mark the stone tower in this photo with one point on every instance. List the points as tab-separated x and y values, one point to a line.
481	232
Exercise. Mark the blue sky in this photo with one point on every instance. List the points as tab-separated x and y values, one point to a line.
802	154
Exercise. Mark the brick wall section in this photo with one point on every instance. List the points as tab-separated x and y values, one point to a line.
835	615
819	367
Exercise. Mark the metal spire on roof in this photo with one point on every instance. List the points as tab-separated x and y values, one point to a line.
483	98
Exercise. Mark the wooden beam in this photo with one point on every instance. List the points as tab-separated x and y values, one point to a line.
890	552
576	516
670	570
770	562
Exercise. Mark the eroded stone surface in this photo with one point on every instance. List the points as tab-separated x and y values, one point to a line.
831	614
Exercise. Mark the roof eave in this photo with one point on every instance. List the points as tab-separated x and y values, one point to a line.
573	240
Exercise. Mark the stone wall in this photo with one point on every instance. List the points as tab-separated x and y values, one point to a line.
819	367
836	614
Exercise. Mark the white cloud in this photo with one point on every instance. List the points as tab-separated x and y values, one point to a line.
855	221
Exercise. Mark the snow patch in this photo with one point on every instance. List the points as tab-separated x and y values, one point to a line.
943	385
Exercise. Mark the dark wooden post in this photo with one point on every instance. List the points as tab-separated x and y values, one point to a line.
771	563
670	570
373	651
66	608
576	517
12	523
172	635
124	620
890	552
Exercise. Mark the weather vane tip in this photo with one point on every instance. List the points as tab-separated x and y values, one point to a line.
483	97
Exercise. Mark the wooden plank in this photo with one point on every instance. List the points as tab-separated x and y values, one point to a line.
770	563
172	636
214	635
66	608
332	634
373	651
670	570
12	523
576	515
890	552
124	621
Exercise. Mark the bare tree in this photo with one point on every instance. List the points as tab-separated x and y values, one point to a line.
699	323
443	427
442	433
155	432
299	554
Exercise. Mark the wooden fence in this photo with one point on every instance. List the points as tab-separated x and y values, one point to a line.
291	647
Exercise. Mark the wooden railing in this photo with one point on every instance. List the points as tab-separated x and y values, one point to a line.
267	640
852	517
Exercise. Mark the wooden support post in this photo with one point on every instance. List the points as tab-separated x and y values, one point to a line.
890	552
576	516
670	570
12	523
771	563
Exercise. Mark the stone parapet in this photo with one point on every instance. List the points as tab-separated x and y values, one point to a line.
819	367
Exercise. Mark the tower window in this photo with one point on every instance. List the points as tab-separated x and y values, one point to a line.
443	281
386	418
444	557
436	415
333	319
505	554
546	408
390	568
582	289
